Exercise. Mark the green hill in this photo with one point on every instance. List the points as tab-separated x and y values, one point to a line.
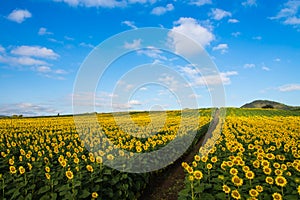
269	104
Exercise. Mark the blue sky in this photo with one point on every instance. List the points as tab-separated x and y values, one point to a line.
255	45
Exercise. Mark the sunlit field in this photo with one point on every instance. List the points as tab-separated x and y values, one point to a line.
256	157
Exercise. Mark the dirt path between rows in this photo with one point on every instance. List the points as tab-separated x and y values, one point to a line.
166	185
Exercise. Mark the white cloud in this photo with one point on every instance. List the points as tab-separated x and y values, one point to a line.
83	44
200	2
292	21
277	59
134	102
233	21
129	24
23	60
289	14
169	81
289	87
43	31
94	3
104	3
249	65
215	79
35	51
43	69
265	68
69	38
152	52
249	3
222	47
2	49
28	109
236	34
134	45
192	29
162	10
219	14
257	38
19	15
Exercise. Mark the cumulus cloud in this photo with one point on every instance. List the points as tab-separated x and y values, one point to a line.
35	51
129	24
219	14
200	2
135	44
19	15
88	45
43	31
222	47
104	3
289	14
236	34
249	3
233	21
2	49
23	60
249	65
197	79
162	10
192	29
265	68
289	87
27	109
152	52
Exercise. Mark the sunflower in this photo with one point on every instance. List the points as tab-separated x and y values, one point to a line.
265	163
89	168
29	166
190	170
267	170
214	159
276	165
204	158
94	195
191	178
22	170
235	194
184	165
209	166
194	163
259	188
237	181
233	171
226	189
256	164
269	180
253	193
276	196
298	189
47	169
280	181
69	174
198	175
11	161
278	172
12	169
110	157
197	158
245	168
99	159
249	175
48	176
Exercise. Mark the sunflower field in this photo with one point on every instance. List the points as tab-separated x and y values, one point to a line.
47	158
257	156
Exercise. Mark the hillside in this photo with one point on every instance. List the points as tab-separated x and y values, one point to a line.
268	104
